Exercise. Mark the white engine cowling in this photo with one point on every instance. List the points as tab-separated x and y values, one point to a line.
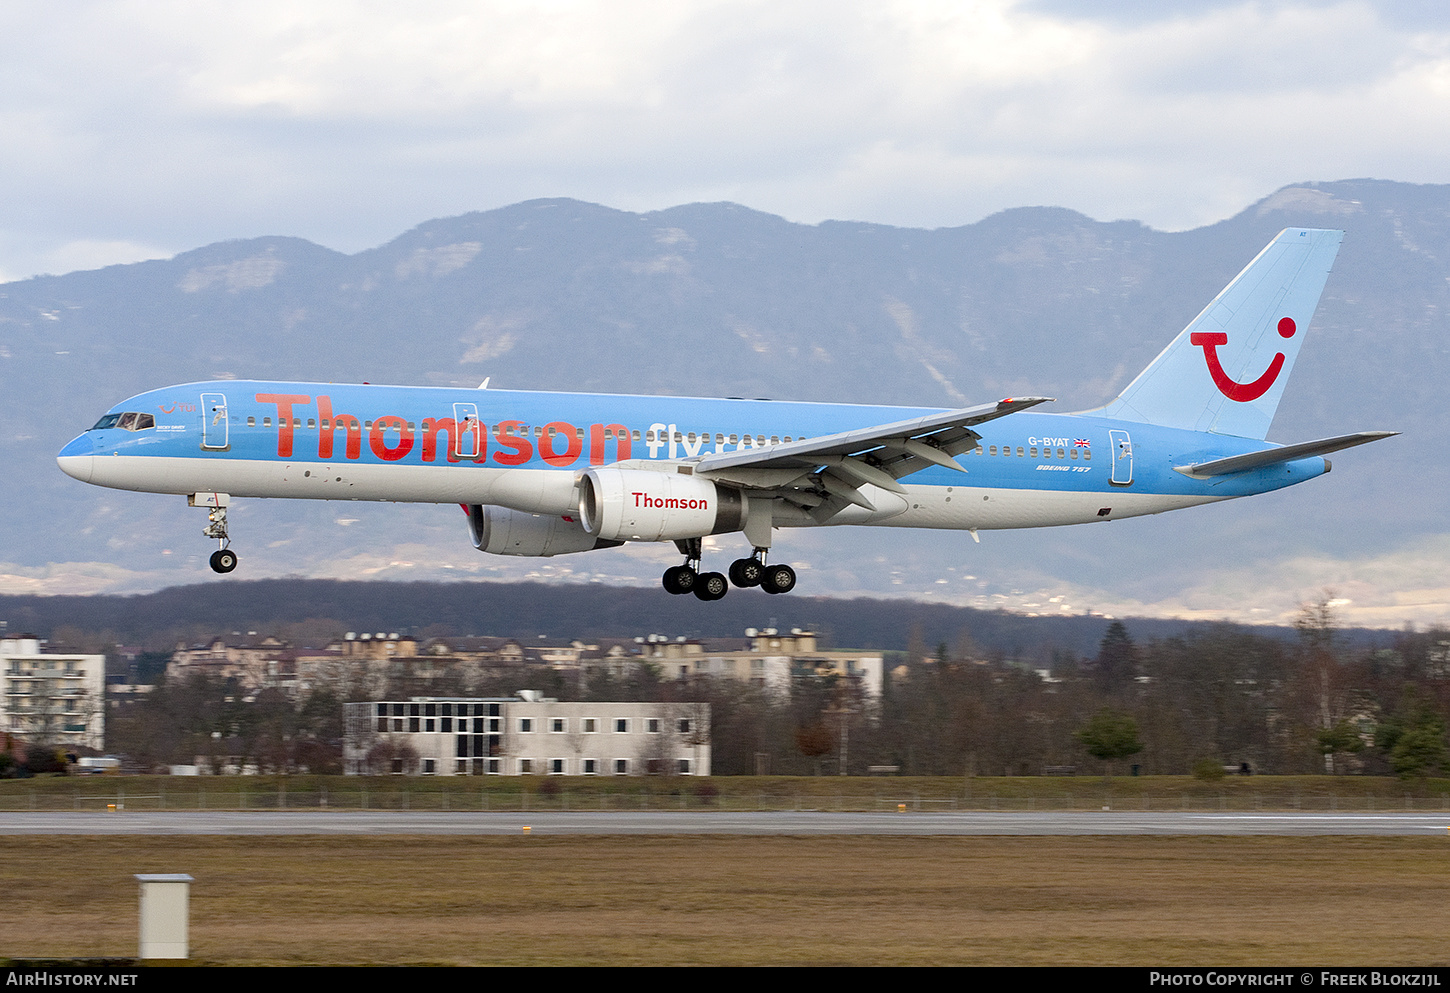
502	531
645	505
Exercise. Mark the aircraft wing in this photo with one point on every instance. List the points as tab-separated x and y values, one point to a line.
1288	453
840	464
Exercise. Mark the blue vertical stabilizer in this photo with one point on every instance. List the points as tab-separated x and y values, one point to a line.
1226	372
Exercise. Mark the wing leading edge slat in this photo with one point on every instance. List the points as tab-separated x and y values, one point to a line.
946	434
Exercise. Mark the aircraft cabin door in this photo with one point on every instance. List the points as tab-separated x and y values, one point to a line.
214	436
1122	458
467	440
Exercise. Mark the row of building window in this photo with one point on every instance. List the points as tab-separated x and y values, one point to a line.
553	767
491	725
438	709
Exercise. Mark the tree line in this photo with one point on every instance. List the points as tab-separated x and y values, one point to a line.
1210	699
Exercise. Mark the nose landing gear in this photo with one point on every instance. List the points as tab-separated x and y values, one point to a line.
222	560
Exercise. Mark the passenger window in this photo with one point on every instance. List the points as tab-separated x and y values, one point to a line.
251	422
266	422
1062	453
1019	451
1072	454
1032	451
992	450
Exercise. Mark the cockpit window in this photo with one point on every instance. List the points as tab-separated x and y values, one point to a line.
129	421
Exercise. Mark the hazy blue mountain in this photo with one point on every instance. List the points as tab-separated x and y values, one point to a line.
717	299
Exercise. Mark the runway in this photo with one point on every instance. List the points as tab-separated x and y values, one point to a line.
758	823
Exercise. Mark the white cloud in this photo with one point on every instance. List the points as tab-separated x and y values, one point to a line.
132	124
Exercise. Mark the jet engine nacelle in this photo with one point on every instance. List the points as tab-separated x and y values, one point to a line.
645	505
502	531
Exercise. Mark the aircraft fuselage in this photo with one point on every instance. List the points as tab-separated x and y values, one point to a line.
525	451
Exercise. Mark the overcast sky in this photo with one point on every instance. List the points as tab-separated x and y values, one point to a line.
139	129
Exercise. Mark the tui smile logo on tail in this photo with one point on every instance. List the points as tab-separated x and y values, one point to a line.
1236	391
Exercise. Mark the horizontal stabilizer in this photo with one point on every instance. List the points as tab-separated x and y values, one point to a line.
1274	456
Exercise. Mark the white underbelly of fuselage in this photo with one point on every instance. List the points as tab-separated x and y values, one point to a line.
542	491
534	490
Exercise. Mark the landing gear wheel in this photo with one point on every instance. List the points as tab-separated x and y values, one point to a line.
679	579
746	573
223	560
778	579
711	586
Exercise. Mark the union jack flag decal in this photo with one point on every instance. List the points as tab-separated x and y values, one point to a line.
1082	443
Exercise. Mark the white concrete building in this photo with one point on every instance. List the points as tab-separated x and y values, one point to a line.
525	735
51	699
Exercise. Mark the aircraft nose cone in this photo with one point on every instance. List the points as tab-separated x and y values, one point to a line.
77	459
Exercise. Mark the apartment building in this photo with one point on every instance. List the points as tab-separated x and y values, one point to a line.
52	698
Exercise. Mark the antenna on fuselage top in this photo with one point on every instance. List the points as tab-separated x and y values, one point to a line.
484	385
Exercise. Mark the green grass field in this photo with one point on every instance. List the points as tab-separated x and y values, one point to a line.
724	793
744	900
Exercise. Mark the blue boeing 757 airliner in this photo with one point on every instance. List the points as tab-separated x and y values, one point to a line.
548	473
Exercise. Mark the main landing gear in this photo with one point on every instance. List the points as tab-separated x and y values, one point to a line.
744	573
